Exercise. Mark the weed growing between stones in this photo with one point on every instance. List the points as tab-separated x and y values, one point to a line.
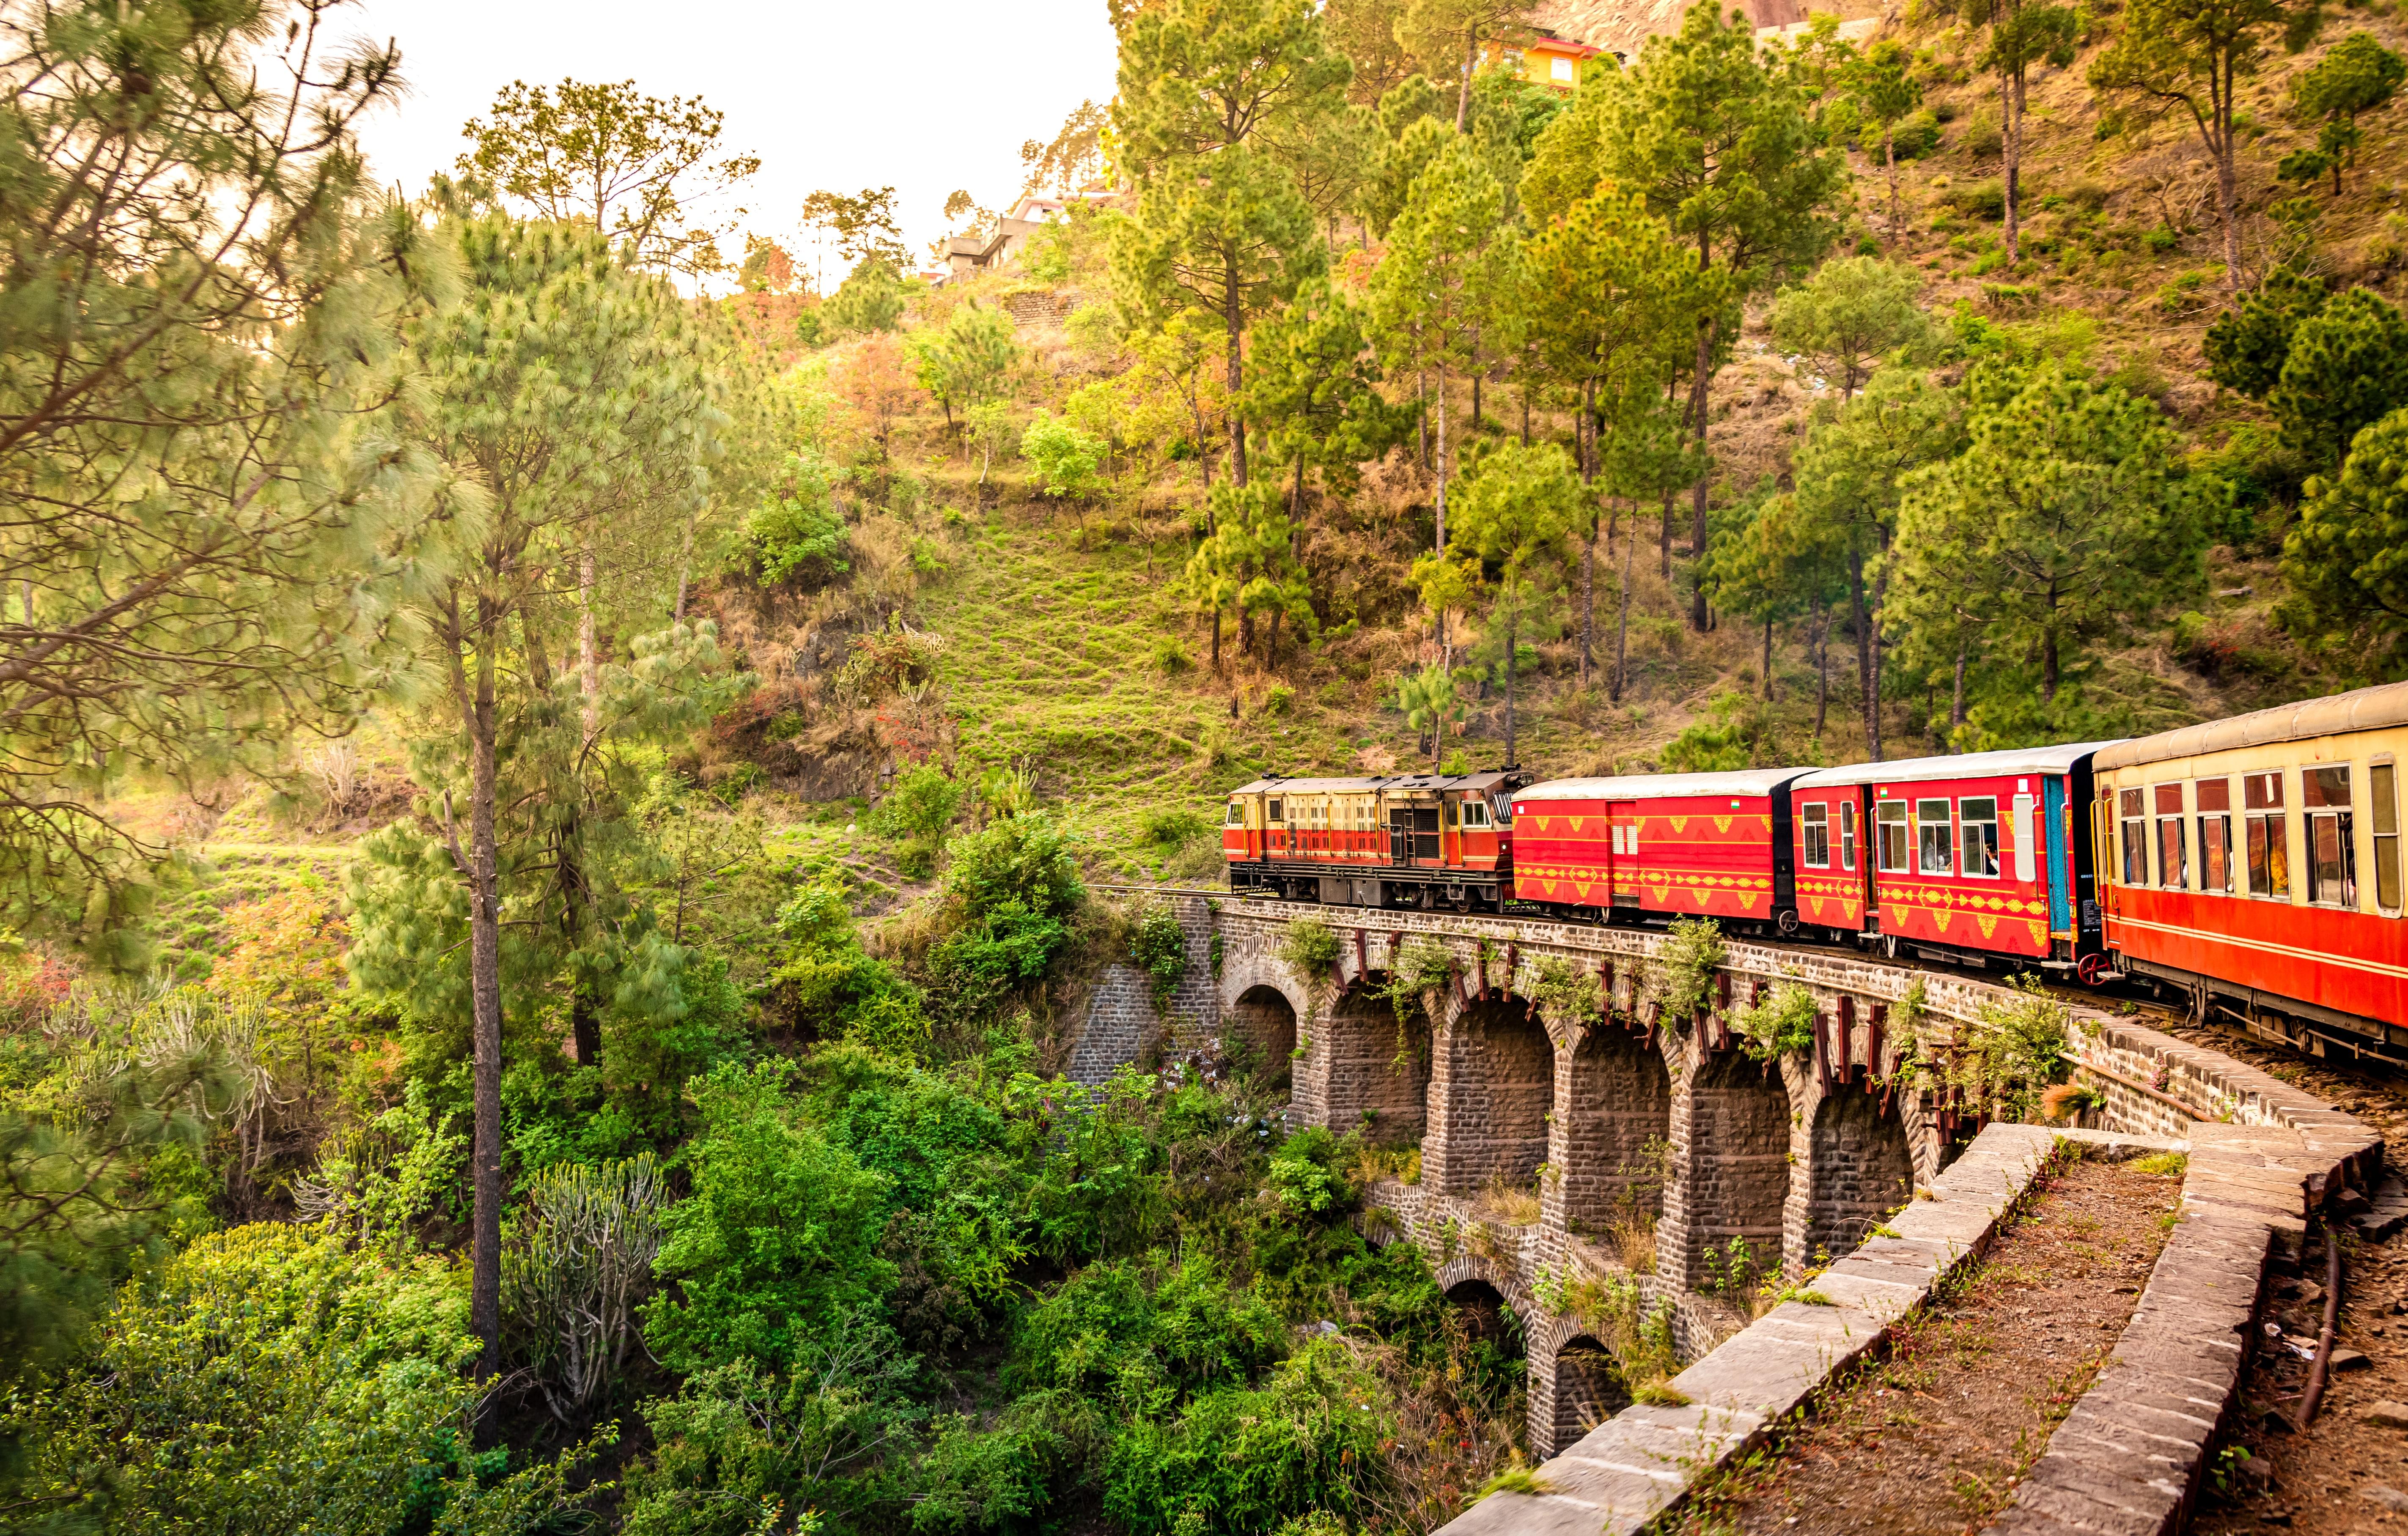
1779	1023
1683	976
1158	947
1568	994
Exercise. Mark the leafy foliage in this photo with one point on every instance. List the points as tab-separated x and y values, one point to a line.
1779	1023
1680	980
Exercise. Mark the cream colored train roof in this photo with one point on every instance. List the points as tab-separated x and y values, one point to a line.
2360	710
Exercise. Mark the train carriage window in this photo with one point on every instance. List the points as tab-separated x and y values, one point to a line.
1895	842
2332	844
2262	822
2381	784
1979	821
2134	829
1275	811
2213	797
1848	837
1816	824
1935	845
2174	851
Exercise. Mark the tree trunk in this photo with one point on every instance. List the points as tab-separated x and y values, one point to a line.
1957	694
1864	653
1510	658
685	568
1216	636
1622	624
485	1004
1822	668
1276	615
1441	623
1880	605
1233	318
1890	159
1475	390
1666	546
1589	602
1705	482
2227	198
589	652
1767	655
2011	103
1463	87
1525	413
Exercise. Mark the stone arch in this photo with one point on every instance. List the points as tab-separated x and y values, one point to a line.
1265	1021
1737	1173
1859	1169
1243	975
1492	1089
1374	1068
1616	1098
1587	1389
1468	1280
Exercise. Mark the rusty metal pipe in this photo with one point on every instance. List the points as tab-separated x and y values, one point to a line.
2322	1367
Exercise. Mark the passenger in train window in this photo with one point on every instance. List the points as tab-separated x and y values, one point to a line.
2174	862
2263	822
2214	801
2332	847
2134	829
1816	828
1848	837
1935	848
1895	842
2382	784
1978	818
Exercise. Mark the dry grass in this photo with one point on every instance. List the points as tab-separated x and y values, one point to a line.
1514	1204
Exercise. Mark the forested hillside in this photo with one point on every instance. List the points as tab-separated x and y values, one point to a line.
559	781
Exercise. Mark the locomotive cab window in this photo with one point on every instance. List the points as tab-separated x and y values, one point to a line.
2133	828
1848	837
2382	784
1935	847
2213	797
1237	815
1475	815
2333	846
2173	862
1895	840
2263	824
1814	822
1275	811
1979	820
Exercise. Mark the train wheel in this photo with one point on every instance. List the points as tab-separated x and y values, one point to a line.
1788	923
2092	970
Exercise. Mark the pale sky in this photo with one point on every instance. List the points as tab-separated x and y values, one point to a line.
926	98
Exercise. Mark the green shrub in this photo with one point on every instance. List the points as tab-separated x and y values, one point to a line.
271	1380
1683	976
797	531
1145	1340
1158	947
1984	199
1982	138
1917	135
1242	1461
1781	1024
1065	458
1568	992
1024	858
1310	948
919	809
1174	826
778	1238
2013	1050
1170	656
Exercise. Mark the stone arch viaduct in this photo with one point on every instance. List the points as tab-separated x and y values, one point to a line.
1656	1148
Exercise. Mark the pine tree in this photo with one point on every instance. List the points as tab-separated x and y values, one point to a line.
1714	135
1519	509
1883	88
1221	230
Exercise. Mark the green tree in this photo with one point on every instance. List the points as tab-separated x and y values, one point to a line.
1850	474
1883	88
197	361
2022	33
1429	699
1854	311
1715	135
1446	35
863	225
1621	300
2248	344
1248	562
2067	521
1315	390
2347	366
2356	75
2194	57
577	411
870	299
971	361
1221	230
2347	559
638	168
1520	506
1449	274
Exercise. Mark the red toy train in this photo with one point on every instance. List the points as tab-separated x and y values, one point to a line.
2253	863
